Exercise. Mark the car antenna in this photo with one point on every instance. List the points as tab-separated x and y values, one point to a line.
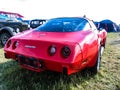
84	16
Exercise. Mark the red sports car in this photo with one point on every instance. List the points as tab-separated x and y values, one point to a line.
66	45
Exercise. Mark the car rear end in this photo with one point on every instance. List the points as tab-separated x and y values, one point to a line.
41	55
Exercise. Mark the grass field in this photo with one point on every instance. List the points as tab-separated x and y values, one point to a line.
13	77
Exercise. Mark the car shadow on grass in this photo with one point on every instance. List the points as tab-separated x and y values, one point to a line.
115	42
14	77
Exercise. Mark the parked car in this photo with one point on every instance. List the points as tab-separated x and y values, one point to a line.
9	28
66	45
36	22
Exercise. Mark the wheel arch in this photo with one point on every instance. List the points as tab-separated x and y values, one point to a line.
7	30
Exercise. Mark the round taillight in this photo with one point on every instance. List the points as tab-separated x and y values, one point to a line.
15	44
8	43
52	50
65	51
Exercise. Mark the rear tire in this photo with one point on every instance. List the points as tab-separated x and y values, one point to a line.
4	37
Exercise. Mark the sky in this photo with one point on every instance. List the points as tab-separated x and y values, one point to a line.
96	10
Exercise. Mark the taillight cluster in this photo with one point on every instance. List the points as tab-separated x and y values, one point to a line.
14	44
65	51
8	44
52	50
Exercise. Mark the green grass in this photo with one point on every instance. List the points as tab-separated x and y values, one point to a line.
13	77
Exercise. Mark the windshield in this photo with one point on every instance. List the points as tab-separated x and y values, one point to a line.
63	25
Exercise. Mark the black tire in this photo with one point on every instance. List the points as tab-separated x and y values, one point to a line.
4	37
96	67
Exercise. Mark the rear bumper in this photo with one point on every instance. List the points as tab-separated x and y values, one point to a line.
39	65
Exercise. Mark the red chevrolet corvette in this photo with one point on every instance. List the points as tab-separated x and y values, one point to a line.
66	45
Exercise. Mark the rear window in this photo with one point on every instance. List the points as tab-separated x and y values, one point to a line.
63	25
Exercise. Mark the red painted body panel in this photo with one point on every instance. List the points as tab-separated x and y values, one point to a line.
84	47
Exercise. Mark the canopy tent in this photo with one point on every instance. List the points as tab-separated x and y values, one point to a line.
108	25
96	24
106	21
12	14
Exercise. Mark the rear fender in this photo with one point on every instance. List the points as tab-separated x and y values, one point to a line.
93	61
79	52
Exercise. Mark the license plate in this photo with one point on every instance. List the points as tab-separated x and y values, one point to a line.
30	62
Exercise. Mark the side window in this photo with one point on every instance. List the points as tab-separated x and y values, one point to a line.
83	26
87	26
93	25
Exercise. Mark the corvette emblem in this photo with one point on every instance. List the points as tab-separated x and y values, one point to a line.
28	46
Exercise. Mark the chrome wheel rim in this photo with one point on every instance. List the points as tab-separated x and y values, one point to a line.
4	39
99	60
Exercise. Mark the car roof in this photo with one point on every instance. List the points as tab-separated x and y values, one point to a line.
72	18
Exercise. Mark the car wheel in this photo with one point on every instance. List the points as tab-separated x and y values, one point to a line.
96	67
4	37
